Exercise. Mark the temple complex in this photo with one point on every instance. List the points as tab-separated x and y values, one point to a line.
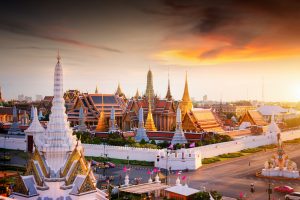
57	168
163	111
93	104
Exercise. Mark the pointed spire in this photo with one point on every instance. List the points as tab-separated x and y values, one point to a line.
186	104
186	95
58	56
119	90
150	125
149	88
137	94
169	95
96	90
101	126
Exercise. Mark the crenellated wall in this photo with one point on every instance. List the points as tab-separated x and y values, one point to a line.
178	160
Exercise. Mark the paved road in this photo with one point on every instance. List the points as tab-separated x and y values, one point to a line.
234	176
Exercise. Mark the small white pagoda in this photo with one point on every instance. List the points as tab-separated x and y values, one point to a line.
179	137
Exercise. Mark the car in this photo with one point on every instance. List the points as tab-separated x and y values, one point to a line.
292	196
284	189
110	164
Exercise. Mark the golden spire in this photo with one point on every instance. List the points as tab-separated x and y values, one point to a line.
137	94
186	103
150	126
169	95
186	95
96	90
119	90
101	126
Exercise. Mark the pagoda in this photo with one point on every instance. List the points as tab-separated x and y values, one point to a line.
112	121
169	95
149	89
179	137
82	127
101	126
57	168
15	127
150	126
186	104
141	131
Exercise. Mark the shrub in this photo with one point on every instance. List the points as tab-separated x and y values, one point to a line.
251	150
231	155
210	160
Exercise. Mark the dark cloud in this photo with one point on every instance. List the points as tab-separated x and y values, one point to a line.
236	22
28	29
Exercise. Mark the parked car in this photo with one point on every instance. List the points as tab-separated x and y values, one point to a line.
110	164
292	196
284	189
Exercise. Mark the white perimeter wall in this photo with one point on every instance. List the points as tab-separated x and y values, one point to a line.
193	161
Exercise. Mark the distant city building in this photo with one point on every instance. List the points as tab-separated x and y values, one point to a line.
21	97
205	98
38	97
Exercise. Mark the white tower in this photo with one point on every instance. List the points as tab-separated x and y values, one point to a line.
179	137
112	121
58	140
141	131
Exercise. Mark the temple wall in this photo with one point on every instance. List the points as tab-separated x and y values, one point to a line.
243	143
180	159
11	142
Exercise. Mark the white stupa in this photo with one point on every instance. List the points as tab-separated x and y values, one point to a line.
57	168
141	131
58	140
179	137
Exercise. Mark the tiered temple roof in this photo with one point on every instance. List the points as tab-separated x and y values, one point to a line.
201	120
254	117
92	104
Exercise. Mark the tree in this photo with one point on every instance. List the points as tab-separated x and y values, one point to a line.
202	196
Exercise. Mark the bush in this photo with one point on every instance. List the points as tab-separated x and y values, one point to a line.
269	146
210	160
231	155
251	150
216	195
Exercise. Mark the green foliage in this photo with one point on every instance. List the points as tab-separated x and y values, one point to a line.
291	123
202	196
231	155
210	160
295	141
216	195
143	141
153	142
120	161
269	146
252	150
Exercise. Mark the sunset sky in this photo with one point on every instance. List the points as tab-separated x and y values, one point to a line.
227	47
